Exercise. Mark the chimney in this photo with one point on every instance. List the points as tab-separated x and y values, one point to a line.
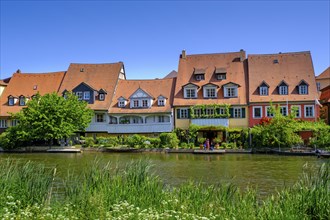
183	54
242	55
18	71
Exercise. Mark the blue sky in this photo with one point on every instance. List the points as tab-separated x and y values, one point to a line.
148	36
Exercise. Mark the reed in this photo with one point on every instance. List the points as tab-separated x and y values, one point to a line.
107	192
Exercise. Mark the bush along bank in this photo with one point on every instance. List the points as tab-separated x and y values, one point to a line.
103	192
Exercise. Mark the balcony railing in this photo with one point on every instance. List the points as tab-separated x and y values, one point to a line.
211	121
130	128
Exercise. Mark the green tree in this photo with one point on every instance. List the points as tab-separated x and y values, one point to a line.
50	117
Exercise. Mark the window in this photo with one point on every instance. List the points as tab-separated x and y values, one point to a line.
145	103
257	111
79	95
11	100
100	118
101	97
198	112
210	93
283	90
237	112
3	123
303	89
269	112
318	86
136	120
221	76
297	109
309	111
135	103
284	110
87	95
222	111
209	111
230	92
263	90
184	113
161	119
14	122
200	77
21	100
190	93
161	102
121	104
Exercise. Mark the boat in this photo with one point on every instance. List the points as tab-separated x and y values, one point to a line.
323	155
294	153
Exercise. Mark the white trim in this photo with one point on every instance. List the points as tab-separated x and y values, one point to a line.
313	111
210	87
286	110
3	123
87	95
253	111
235	92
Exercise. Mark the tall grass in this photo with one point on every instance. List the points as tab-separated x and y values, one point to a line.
106	192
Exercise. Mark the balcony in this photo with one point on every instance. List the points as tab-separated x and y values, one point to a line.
211	121
130	128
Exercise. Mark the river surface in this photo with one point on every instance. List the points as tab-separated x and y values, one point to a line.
264	172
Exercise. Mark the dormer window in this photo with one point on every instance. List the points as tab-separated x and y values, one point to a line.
11	100
22	100
199	74
263	88
122	102
220	73
101	96
190	91
141	99
87	95
303	88
79	95
210	91
230	90
283	88
161	100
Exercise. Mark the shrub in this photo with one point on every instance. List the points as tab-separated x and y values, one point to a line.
169	140
154	142
135	141
89	142
183	145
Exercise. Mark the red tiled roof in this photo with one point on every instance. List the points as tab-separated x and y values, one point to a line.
172	74
229	62
28	84
291	68
325	74
155	88
325	94
97	76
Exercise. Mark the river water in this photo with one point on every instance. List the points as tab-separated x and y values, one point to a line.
264	172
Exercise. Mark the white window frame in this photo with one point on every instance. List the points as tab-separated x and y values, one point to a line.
136	104
184	111
263	90
200	77
303	89
221	76
145	103
268	114
298	112
101	96
305	111
87	95
22	101
286	110
209	111
230	91
137	120
198	112
161	102
237	112
254	108
3	123
14	122
318	86
192	94
121	104
222	111
98	118
210	92
79	95
283	90
161	118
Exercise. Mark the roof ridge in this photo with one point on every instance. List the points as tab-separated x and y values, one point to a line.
206	54
280	53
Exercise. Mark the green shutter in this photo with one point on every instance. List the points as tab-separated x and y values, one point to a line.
178	116
189	113
231	112
243	112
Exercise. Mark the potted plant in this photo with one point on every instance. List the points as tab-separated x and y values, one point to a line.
201	141
217	142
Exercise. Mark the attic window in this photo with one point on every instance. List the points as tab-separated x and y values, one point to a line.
82	69
21	100
35	87
275	61
101	96
199	74
11	100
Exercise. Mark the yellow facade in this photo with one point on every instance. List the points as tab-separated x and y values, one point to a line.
238	122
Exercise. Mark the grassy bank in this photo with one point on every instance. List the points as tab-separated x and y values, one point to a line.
104	192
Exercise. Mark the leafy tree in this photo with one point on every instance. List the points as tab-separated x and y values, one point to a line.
50	117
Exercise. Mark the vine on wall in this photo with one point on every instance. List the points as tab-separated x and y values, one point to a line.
210	111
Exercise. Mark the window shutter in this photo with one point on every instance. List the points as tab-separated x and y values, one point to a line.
231	113
189	113
243	112
178	113
217	110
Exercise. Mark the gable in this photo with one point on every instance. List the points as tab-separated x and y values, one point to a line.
231	84
83	87
140	94
264	84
